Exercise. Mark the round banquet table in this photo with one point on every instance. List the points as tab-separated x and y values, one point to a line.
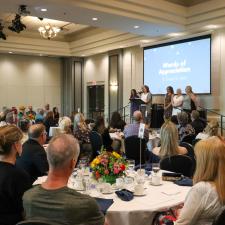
142	209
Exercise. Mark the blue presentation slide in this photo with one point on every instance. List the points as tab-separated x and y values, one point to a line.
178	65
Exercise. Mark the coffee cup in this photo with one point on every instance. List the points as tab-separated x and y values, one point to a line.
106	188
139	189
156	180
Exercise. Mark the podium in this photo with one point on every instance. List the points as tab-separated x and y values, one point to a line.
157	116
137	101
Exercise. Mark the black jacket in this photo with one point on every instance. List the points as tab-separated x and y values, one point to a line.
33	159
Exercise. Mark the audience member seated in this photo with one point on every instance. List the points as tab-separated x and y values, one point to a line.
49	121
53	201
13	181
3	114
197	123
206	198
30	114
100	128
116	122
33	158
82	133
184	127
21	114
133	128
24	126
169	142
46	109
211	129
55	114
65	125
39	118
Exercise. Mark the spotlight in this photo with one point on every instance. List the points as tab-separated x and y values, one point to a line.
17	25
2	35
23	10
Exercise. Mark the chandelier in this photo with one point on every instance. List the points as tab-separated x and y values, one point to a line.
48	31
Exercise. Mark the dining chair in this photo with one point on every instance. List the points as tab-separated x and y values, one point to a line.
132	149
179	164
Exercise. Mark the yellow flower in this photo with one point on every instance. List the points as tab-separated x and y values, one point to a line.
96	161
116	155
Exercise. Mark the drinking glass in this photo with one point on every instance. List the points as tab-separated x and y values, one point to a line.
155	167
130	165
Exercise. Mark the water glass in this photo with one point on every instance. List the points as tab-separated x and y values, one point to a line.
155	167
131	165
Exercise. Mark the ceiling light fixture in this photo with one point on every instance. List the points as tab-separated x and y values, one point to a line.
94	18
44	10
145	41
2	35
136	27
10	52
17	26
48	32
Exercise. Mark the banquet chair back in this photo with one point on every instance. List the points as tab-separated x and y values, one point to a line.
179	164
132	149
188	138
220	219
34	222
190	153
96	142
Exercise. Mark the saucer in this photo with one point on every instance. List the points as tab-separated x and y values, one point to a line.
155	184
107	193
139	195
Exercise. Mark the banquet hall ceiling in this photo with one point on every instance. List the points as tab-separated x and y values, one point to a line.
115	27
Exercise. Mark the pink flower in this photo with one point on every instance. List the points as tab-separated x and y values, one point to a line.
116	170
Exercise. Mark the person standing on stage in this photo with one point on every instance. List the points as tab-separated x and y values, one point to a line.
168	108
146	97
190	100
133	105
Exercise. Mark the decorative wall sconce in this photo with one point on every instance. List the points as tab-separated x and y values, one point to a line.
113	86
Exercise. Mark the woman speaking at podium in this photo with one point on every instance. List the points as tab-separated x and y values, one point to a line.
146	97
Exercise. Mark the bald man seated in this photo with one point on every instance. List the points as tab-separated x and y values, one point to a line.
53	201
133	128
33	159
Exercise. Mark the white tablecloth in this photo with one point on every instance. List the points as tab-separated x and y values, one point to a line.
54	131
141	210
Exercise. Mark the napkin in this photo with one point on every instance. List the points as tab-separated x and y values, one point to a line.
125	195
185	181
104	204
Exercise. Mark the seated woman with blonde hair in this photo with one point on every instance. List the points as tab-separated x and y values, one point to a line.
211	129
206	198
169	141
65	125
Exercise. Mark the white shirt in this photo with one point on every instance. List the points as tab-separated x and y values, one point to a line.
144	97
202	136
177	103
201	205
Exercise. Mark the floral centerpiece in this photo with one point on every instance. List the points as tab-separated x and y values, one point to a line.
108	166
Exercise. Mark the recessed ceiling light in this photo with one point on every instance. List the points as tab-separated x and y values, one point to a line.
82	55
10	52
211	26
44	10
175	34
94	18
136	27
145	41
122	46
